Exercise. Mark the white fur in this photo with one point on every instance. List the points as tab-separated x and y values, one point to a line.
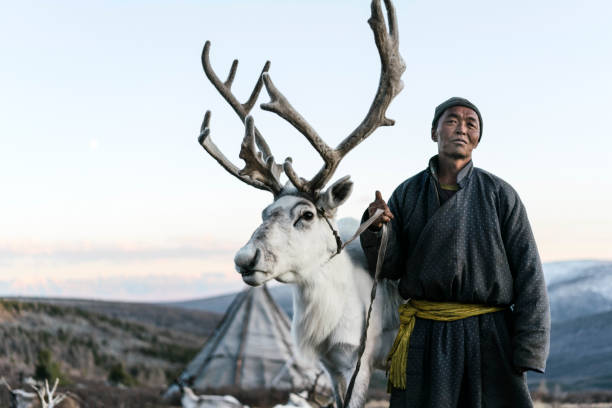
296	401
23	399
331	294
191	400
19	398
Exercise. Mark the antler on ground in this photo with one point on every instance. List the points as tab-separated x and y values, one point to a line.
45	395
6	384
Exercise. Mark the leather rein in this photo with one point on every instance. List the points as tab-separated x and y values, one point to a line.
379	261
340	245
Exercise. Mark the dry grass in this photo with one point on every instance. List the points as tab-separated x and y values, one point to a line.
377	404
539	404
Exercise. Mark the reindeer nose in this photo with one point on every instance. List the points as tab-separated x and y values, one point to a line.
246	259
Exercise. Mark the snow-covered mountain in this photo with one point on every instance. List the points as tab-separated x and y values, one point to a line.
578	288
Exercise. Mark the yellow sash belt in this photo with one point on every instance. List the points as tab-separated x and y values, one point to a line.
408	312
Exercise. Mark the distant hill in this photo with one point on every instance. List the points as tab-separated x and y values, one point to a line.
578	288
580	354
191	320
282	295
153	343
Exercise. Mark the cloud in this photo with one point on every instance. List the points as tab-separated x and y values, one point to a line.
151	287
94	144
150	271
79	252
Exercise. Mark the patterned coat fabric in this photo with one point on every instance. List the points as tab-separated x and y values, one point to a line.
476	247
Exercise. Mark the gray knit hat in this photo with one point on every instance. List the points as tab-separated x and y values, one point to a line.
455	101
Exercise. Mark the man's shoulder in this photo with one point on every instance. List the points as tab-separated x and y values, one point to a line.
412	183
495	183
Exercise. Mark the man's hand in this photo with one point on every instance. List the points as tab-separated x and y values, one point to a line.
384	217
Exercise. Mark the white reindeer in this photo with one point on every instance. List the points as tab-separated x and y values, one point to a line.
297	241
20	398
24	399
190	400
296	401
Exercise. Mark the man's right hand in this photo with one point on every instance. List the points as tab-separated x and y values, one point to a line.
384	217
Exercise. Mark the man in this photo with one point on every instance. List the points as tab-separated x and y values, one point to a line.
462	248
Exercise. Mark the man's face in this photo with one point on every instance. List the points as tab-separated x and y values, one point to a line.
457	133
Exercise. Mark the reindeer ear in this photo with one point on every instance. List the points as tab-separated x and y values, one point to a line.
336	195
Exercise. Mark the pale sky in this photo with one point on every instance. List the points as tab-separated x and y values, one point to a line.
106	193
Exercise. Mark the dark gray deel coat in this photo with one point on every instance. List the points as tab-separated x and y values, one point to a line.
475	247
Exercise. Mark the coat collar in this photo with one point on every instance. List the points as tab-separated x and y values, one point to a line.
462	177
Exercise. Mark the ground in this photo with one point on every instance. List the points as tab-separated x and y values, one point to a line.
385	404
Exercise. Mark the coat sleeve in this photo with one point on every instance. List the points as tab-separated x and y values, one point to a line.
370	242
531	311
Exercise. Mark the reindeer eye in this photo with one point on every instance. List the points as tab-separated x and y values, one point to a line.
306	216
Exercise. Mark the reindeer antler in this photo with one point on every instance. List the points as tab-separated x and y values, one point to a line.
260	170
390	84
45	395
6	384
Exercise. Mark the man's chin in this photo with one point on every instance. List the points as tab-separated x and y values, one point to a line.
457	155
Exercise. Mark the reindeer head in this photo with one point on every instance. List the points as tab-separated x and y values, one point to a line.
298	232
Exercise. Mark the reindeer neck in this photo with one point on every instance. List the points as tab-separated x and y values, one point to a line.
318	303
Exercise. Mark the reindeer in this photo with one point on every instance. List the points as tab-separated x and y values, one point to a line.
190	400
298	242
20	398
296	401
24	399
